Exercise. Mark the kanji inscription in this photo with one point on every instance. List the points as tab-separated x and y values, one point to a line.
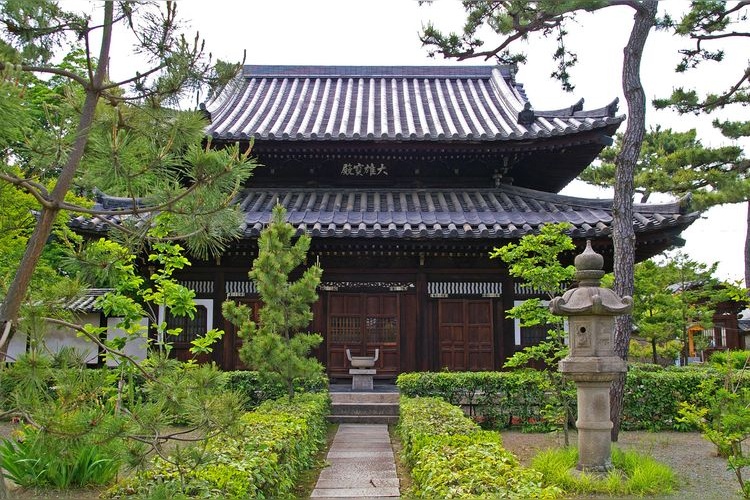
363	170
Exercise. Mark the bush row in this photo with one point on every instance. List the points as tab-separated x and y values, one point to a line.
450	457
258	387
255	387
652	394
499	398
262	458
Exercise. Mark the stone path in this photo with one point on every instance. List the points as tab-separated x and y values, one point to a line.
361	464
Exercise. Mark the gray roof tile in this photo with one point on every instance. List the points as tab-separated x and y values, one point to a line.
499	213
391	103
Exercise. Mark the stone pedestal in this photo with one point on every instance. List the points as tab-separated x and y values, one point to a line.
362	378
594	424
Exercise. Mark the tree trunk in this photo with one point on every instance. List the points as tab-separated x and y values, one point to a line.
19	286
747	248
623	235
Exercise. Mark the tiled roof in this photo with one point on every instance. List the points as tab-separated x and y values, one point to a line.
86	302
507	212
389	103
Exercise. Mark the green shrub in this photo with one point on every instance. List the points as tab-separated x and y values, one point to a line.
632	474
450	457
499	398
652	398
736	359
41	460
258	387
652	395
473	466
263	459
422	418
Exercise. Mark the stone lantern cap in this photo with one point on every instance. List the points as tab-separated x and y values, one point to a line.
589	298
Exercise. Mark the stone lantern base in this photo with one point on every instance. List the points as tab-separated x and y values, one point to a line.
593	377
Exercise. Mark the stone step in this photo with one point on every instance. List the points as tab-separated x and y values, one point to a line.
364	397
363	419
364	409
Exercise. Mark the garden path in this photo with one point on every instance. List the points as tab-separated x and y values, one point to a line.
361	465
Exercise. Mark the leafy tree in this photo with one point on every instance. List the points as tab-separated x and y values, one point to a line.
677	163
277	343
514	20
120	136
710	26
75	416
535	260
675	295
725	420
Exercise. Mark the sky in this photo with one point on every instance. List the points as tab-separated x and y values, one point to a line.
385	32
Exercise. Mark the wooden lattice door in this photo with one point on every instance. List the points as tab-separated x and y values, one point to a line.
362	323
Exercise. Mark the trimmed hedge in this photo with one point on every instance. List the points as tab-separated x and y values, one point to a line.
263	459
450	457
500	398
652	397
652	394
258	387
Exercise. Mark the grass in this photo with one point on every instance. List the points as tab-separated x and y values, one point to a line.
633	474
402	471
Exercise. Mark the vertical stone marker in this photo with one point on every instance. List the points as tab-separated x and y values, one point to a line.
592	363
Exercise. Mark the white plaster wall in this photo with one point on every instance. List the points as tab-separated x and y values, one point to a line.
58	337
16	346
135	348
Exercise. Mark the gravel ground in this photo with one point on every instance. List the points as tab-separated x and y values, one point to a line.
702	474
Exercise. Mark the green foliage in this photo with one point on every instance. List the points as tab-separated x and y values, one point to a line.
677	163
652	395
633	474
43	460
704	25
512	20
262	458
497	399
677	294
422	418
257	387
736	359
134	298
724	418
666	352
450	457
278	343
652	398
535	261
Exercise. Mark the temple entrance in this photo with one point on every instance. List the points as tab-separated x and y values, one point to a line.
363	322
465	334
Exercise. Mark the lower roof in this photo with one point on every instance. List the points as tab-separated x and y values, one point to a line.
505	212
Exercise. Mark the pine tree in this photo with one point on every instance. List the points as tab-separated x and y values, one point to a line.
278	342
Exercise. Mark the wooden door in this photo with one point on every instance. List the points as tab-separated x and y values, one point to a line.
362	323
465	334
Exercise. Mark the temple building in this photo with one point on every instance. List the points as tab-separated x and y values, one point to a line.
406	178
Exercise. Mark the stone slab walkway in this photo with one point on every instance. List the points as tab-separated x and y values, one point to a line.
361	465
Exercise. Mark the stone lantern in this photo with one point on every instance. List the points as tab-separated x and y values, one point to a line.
592	363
